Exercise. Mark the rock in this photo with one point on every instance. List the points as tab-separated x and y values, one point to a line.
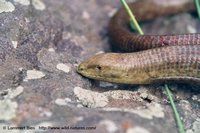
41	44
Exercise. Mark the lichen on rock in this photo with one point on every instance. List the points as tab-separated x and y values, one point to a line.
6	6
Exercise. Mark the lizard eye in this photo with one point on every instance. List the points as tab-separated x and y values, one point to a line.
98	68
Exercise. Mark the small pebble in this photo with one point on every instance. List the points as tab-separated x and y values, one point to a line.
51	50
61	102
137	129
34	74
39	5
63	67
15	43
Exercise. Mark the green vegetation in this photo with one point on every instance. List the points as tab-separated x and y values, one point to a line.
197	7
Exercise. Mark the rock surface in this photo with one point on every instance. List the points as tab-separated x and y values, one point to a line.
41	44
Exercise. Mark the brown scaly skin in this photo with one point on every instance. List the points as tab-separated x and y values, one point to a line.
169	57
